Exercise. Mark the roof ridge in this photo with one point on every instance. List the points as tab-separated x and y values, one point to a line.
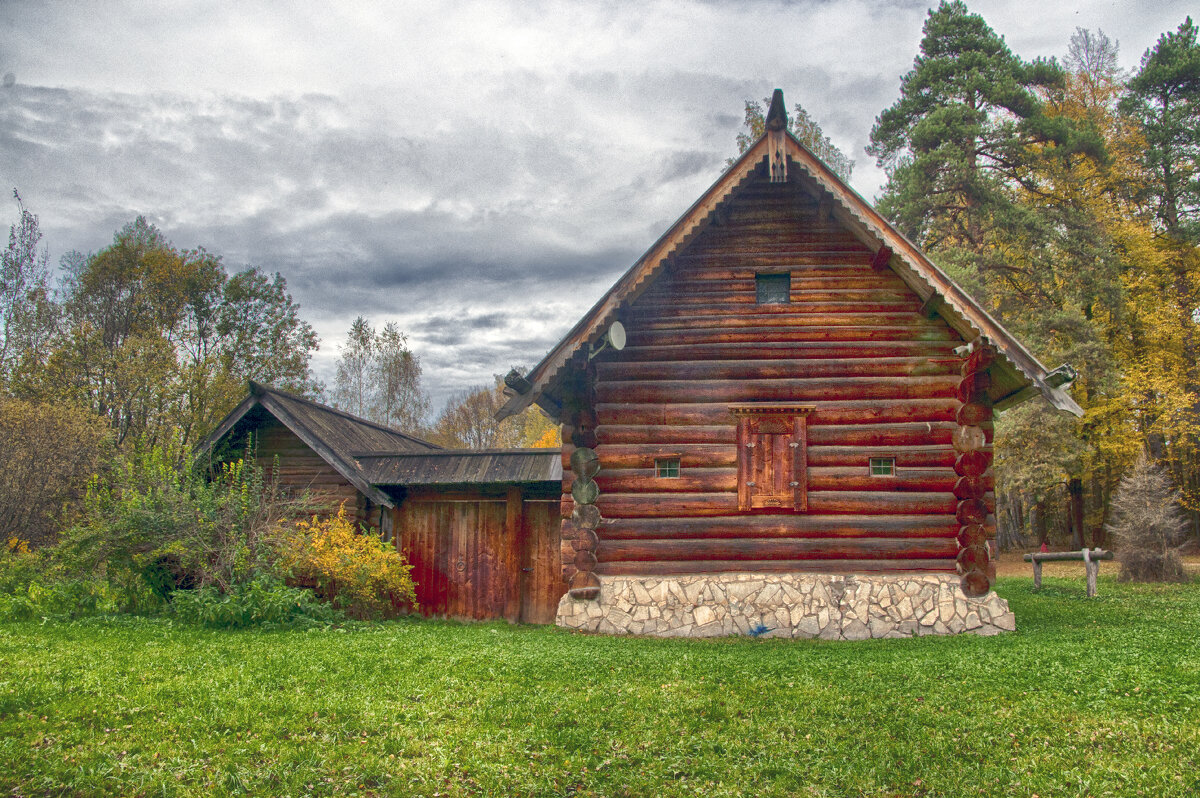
259	388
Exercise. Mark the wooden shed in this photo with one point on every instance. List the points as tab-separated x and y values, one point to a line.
795	438
481	528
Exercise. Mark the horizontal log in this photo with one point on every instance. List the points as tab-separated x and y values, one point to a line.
701	480
718	455
658	505
794	317
744	293
780	526
791	368
780	350
1062	556
725	280
775	549
864	332
844	412
667	309
656	568
783	390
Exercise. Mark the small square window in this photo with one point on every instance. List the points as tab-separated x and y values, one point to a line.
773	289
667	468
883	466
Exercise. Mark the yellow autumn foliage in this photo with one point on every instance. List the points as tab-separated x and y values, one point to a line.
356	571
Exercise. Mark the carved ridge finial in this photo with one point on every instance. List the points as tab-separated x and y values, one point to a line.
777	115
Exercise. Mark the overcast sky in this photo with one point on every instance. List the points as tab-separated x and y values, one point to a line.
479	173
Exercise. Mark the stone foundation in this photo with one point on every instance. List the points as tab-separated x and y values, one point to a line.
828	606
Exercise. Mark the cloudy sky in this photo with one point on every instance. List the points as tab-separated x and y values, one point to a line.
477	172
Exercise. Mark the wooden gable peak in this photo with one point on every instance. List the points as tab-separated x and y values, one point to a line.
1022	373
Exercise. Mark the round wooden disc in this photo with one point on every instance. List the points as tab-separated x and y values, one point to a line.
585	463
972	558
586	540
970	488
974	413
585	585
975	584
568	572
968	439
585	491
972	535
972	464
974	387
587	516
585	560
971	511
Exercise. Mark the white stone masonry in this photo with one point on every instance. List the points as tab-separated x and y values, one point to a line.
828	606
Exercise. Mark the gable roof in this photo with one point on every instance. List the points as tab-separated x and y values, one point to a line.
335	435
1020	374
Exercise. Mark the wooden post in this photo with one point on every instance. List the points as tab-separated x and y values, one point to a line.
1092	570
1037	574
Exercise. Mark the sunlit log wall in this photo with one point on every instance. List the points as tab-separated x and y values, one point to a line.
853	342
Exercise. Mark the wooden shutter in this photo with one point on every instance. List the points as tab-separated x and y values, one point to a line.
772	458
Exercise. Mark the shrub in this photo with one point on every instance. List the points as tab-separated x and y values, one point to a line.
1148	525
157	515
358	572
34	585
49	451
262	601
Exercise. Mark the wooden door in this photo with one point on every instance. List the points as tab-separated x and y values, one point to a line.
479	557
772	458
542	584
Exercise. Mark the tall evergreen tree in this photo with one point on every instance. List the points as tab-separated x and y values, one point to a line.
1164	96
958	135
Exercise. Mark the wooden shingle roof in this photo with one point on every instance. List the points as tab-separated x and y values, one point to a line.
338	437
464	467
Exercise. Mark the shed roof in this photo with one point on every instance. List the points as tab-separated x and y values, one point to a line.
338	437
463	467
1020	373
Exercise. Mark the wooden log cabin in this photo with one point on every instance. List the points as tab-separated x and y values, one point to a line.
779	421
479	527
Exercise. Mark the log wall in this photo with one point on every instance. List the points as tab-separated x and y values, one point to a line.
853	342
301	470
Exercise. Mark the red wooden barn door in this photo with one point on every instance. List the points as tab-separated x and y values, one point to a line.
483	557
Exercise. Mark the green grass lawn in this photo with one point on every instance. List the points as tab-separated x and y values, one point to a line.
1089	697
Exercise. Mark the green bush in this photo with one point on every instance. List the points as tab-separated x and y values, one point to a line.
263	601
36	585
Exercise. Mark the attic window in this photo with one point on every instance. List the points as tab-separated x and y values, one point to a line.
773	289
666	468
883	466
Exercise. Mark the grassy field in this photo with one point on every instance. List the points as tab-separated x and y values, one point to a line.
1089	697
